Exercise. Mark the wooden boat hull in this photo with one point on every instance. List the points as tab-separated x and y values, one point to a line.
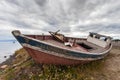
49	54
44	58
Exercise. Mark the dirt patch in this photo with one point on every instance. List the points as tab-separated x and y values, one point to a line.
112	65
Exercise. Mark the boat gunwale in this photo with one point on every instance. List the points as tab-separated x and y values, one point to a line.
100	53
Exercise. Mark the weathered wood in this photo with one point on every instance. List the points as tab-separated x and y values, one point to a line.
45	49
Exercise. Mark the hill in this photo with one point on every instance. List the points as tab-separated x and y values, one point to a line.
22	67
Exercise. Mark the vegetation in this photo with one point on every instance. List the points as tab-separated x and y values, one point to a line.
24	68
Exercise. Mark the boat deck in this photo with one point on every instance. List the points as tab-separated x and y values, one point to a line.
49	40
95	48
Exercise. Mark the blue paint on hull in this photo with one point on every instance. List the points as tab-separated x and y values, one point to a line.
56	49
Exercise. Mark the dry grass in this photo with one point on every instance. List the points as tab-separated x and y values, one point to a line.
26	69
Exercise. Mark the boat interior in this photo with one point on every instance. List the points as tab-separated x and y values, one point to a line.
76	44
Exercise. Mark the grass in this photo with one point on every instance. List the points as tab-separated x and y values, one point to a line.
24	68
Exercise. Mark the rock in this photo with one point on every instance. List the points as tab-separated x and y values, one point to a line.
3	66
5	56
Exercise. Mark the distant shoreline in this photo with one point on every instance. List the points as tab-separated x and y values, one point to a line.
8	40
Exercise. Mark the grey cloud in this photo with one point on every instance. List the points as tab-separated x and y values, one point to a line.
13	2
68	15
41	2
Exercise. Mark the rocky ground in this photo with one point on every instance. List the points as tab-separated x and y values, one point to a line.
22	67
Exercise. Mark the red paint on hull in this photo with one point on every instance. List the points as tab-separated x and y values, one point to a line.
44	58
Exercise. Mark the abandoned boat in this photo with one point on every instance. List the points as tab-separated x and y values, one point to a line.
61	50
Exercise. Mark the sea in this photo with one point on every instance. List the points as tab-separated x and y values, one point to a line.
8	48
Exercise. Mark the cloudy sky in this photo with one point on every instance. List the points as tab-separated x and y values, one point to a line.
76	17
